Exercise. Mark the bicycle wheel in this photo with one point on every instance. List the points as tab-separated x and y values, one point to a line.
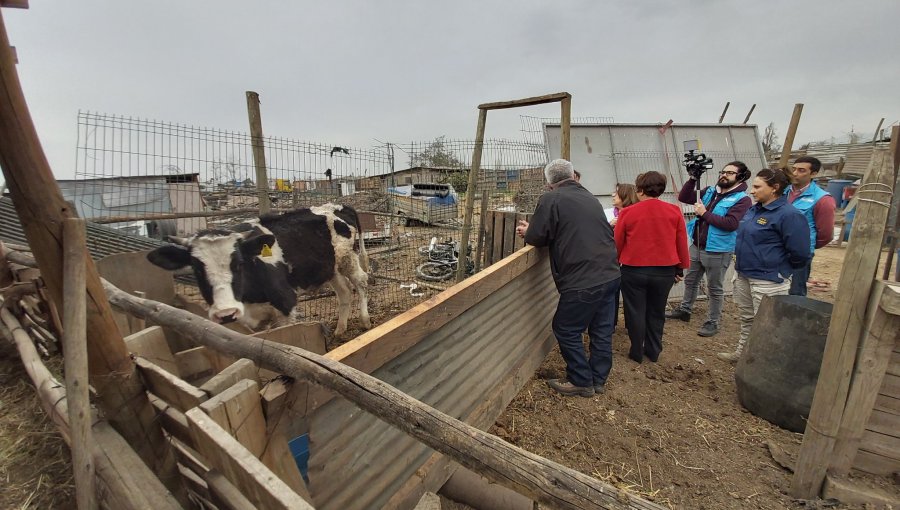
434	272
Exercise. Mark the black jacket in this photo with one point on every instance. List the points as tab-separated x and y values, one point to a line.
570	220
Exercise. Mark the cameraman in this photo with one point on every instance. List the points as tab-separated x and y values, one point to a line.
712	235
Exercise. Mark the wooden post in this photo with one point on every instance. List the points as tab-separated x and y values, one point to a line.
895	155
42	210
882	330
747	118
76	363
565	131
470	196
789	137
845	330
722	117
259	151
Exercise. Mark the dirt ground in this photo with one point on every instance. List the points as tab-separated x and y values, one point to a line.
672	431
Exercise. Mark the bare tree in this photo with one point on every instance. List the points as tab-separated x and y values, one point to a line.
770	142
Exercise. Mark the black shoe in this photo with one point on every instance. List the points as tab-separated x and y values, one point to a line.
679	314
709	328
634	357
599	388
570	390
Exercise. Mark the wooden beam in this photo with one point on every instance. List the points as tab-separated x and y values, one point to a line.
845	330
528	101
789	137
881	334
41	210
747	118
474	171
261	487
238	411
565	124
169	387
543	480
722	117
76	361
237	371
851	493
259	151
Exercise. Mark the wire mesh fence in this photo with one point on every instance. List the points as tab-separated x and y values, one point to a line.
159	179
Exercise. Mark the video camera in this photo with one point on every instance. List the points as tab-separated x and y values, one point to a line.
696	163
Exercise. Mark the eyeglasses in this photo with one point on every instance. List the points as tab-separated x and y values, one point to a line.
727	172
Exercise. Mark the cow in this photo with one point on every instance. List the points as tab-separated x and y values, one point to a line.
247	271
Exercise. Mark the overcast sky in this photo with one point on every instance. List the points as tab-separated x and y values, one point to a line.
350	72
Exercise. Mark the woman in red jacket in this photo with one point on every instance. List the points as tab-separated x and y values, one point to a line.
652	242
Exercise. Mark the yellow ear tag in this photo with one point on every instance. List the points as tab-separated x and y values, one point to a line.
266	251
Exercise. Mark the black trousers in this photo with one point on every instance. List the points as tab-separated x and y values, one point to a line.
645	291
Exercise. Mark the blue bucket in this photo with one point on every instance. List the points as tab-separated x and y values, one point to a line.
836	189
299	447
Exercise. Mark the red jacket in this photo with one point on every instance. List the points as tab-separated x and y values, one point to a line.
652	233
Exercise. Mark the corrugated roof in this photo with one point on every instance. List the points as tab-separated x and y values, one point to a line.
101	240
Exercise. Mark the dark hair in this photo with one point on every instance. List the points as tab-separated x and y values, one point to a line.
650	183
743	172
814	164
775	178
626	194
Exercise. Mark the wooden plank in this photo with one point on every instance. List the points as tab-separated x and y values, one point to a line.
281	401
887	404
238	411
488	239
194	482
151	345
874	463
509	233
852	493
890	386
890	299
878	341
166	386
225	495
883	422
844	334
76	362
886	444
565	128
789	136
893	367
237	371
528	101
498	236
261	487
193	363
173	420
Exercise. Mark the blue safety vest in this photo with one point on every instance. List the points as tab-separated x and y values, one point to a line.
805	203
717	240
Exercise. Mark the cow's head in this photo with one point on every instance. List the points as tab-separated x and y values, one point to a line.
219	259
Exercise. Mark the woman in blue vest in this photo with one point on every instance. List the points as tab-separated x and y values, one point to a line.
772	241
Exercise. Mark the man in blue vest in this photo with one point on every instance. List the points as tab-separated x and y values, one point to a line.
818	208
712	233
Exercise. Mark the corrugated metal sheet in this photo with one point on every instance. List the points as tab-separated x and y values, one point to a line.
101	240
858	157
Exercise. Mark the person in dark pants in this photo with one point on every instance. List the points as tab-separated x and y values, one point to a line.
570	221
652	242
817	207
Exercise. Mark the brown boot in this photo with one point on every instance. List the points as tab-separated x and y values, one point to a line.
570	390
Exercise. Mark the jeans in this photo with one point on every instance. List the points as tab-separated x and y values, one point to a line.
799	278
714	265
645	291
592	309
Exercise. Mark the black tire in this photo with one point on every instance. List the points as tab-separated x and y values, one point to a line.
434	272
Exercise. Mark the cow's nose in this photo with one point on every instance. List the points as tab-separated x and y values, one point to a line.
226	315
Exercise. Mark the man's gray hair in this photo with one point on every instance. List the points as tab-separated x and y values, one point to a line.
558	170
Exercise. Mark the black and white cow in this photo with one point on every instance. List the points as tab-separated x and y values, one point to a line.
245	272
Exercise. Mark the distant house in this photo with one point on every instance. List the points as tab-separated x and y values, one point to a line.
137	196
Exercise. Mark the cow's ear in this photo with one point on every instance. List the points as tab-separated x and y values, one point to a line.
253	246
170	257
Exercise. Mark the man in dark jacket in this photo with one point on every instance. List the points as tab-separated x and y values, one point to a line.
712	233
570	221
